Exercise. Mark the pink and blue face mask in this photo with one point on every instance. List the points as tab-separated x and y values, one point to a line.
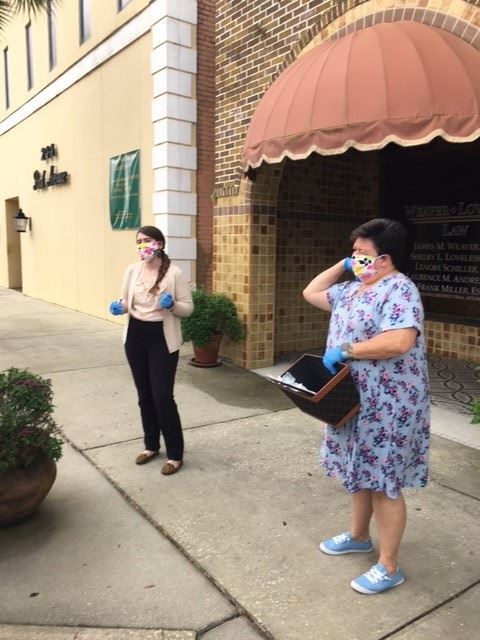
147	249
363	266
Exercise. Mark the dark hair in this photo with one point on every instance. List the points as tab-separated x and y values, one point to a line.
156	234
388	236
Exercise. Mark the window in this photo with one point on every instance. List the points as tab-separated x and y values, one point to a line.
5	75
52	35
122	4
84	8
28	42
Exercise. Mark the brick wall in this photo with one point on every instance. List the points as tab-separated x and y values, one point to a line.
252	40
449	339
257	40
205	139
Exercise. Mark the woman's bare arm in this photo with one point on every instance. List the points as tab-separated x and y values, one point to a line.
388	344
316	292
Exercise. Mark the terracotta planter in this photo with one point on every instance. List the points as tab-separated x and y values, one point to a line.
207	356
22	490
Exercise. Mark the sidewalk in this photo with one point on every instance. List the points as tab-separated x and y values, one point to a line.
228	548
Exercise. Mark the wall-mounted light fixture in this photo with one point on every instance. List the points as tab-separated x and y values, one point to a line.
22	222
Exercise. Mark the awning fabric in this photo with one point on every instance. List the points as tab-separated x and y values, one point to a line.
403	82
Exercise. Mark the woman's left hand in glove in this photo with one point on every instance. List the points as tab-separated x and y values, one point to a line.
166	301
332	357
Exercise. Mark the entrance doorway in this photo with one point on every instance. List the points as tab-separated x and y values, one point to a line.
320	201
14	254
433	189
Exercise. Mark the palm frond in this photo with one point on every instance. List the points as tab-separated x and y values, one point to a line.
5	12
31	7
8	8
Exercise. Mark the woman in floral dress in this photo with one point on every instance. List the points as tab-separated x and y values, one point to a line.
376	327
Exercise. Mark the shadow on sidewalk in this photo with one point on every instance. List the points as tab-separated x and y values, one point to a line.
233	386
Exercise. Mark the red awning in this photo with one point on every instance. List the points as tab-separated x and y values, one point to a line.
402	82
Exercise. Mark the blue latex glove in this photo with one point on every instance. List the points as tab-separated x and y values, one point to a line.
348	264
166	301
332	357
116	308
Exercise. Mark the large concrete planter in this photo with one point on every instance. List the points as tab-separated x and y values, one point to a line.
23	490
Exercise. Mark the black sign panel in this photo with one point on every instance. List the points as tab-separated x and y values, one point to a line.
435	190
445	260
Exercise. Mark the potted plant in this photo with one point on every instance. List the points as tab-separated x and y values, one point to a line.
29	443
476	404
214	316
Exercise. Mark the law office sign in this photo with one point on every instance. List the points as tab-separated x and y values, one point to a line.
125	191
445	261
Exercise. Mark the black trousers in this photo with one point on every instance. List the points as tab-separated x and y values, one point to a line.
153	370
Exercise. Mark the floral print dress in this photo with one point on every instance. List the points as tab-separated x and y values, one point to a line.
385	446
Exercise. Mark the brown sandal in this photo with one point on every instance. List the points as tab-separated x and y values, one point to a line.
143	458
169	469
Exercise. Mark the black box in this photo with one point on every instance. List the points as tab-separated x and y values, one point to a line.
332	398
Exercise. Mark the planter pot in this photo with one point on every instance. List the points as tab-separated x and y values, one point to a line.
207	356
22	490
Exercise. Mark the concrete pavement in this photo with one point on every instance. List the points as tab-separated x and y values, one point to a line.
228	548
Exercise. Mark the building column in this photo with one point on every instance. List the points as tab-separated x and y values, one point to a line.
174	114
245	262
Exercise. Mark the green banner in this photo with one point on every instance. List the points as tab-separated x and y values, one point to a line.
125	191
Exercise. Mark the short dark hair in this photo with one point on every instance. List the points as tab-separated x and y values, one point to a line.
389	237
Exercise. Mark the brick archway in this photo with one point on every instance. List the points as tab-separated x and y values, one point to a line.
461	19
245	231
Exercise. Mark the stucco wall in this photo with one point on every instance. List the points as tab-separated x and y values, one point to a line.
72	257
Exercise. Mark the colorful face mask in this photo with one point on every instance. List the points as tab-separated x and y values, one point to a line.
147	250
363	266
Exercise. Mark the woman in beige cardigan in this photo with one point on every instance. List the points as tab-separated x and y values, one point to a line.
155	295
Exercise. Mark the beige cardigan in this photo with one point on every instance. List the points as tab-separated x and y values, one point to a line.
174	283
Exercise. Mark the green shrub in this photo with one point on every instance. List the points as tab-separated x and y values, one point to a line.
476	408
213	313
476	411
26	419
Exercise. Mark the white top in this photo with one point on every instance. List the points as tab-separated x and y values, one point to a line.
145	305
174	283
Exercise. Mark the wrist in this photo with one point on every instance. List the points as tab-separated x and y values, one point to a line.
347	350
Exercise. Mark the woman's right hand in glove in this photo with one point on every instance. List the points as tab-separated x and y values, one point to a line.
116	308
348	264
